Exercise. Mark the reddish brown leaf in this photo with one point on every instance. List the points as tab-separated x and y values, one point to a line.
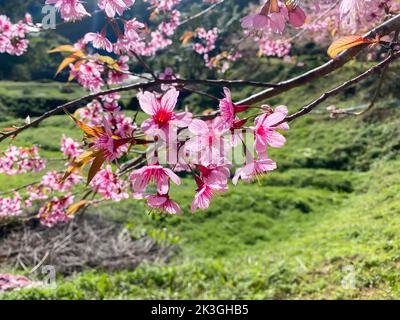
63	48
96	165
76	207
66	62
344	43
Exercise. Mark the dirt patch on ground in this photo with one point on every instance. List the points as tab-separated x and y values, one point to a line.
86	242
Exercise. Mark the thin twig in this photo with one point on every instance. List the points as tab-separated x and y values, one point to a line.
19	188
144	64
201	93
308	108
201	13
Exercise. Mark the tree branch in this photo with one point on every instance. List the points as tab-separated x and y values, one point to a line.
137	86
382	30
377	68
201	13
274	89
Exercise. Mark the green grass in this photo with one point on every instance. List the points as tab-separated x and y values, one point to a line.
272	249
40	89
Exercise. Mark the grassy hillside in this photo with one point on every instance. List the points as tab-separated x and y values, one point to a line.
324	225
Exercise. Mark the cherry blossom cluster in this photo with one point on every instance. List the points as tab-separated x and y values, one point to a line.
13	36
203	150
134	39
55	211
348	16
164	5
13	206
72	10
318	21
204	42
10	206
274	15
70	147
11	282
19	160
109	185
354	14
279	48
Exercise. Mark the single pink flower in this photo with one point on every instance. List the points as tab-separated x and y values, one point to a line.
112	7
99	41
297	16
215	175
163	203
228	109
204	194
161	112
111	147
208	143
255	21
254	169
142	177
266	133
70	10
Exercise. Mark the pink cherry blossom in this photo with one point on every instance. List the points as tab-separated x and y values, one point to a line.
113	7
123	125
52	181
92	114
70	148
109	185
55	211
215	175
11	206
10	282
297	17
228	109
254	169
204	193
70	10
207	39
13	36
163	203
161	176
112	148
17	47
118	76
209	142
18	160
89	75
273	15
266	133
274	47
161	111
99	41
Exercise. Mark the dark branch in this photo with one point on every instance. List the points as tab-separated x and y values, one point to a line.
377	68
382	30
